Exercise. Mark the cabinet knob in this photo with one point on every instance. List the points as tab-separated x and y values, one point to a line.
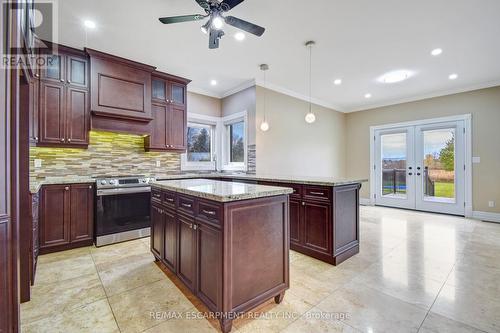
90	187
69	81
36	139
62	140
195	227
69	140
303	203
66	188
62	80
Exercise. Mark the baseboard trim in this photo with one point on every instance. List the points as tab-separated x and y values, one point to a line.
486	216
365	202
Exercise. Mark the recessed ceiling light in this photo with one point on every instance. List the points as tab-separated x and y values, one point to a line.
436	52
395	76
453	76
89	24
213	82
337	82
368	95
239	36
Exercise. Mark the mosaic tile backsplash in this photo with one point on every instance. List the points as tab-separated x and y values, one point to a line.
108	154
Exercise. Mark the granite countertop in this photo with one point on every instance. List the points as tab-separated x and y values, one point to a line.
35	184
220	190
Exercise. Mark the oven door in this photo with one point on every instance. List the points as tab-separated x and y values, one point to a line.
122	210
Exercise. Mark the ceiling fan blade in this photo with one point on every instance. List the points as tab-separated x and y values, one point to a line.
203	4
179	19
230	4
244	25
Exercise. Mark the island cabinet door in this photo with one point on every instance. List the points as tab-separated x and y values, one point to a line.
209	267
295	234
186	258
170	240
317	231
157	231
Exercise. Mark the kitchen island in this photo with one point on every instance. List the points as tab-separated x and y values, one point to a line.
227	242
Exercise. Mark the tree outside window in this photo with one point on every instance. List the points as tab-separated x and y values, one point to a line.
237	141
199	141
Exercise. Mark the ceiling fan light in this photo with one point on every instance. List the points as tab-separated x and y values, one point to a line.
218	22
310	118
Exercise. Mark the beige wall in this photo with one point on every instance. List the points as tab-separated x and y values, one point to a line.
242	101
293	147
484	105
205	105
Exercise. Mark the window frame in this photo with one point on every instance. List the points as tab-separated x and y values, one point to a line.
202	121
226	144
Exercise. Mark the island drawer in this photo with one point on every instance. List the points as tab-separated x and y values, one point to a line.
186	204
156	196
210	211
169	198
317	192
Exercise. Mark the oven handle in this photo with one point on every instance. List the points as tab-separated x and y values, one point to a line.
118	191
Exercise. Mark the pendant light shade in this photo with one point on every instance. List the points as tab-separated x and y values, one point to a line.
310	116
264	125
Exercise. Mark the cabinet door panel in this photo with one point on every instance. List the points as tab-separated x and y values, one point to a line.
82	212
316	217
77	71
186	263
55	216
170	245
51	113
295	221
178	94
158	137
159	90
178	124
54	69
157	231
77	116
209	250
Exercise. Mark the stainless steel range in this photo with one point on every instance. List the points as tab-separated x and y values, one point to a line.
122	208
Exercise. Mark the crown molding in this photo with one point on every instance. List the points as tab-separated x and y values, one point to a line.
237	89
440	93
201	91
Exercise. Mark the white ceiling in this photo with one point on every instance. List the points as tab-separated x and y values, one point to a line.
357	40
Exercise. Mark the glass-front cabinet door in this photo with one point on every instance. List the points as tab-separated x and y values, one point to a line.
53	69
159	90
177	94
77	71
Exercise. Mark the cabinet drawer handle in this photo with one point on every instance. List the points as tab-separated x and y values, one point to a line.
156	195
317	193
186	205
209	212
169	199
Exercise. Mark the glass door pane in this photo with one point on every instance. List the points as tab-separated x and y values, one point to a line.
439	165
394	157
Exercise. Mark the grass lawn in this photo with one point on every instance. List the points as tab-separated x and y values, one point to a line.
444	190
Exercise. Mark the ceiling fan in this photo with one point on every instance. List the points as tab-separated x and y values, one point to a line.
214	10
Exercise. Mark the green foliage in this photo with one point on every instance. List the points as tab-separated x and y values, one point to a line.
447	155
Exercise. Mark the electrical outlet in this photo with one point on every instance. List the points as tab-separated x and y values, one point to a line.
158	163
476	160
491	204
38	163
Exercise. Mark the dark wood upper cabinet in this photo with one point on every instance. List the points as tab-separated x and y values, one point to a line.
169	112
63	108
66	216
120	88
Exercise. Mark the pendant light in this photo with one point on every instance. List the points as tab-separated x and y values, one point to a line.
264	125
310	116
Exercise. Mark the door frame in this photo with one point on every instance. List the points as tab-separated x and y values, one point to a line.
467	118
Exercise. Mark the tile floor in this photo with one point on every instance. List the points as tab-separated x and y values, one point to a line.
415	272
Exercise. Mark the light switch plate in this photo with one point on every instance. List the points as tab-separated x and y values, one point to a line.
476	159
158	163
38	163
491	204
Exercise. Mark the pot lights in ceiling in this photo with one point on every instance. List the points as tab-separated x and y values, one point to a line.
453	76
368	95
337	82
213	82
436	52
89	24
239	36
395	76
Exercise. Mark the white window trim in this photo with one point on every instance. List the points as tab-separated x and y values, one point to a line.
202	166
220	143
226	164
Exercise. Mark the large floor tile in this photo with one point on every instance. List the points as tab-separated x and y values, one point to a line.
110	253
147	306
369	310
435	323
68	268
129	273
95	317
54	298
469	306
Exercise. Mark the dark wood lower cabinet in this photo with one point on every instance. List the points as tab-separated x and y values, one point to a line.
295	215
217	248
317	226
66	217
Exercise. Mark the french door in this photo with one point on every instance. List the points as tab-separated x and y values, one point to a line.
421	167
